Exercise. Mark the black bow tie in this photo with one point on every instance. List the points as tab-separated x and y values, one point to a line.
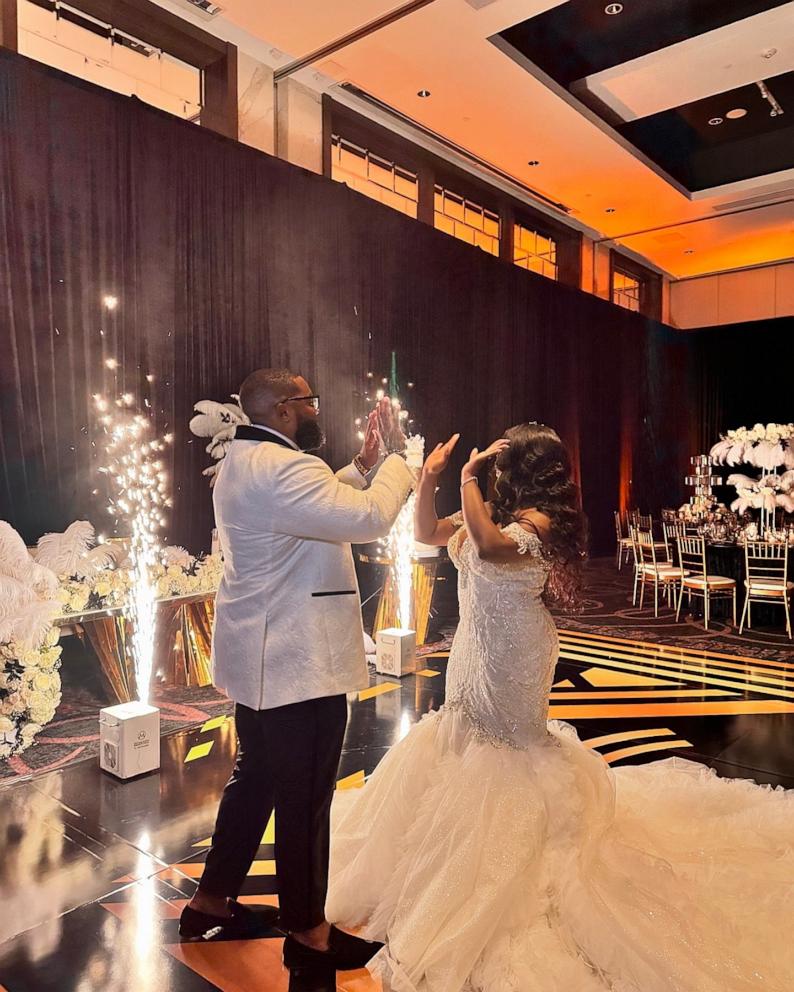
247	432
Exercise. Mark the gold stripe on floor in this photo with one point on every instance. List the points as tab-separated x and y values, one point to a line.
377	690
602	678
619	694
354	781
619	712
214	723
628	752
627	735
684	674
693	654
199	751
675	665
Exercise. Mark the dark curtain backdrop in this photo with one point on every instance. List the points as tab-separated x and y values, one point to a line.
224	259
744	372
745	375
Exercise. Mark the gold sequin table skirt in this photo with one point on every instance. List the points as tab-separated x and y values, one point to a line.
183	638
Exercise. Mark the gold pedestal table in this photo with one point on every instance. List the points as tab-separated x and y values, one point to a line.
425	571
183	638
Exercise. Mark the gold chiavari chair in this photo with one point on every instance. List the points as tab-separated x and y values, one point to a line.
659	574
671	531
696	580
766	579
623	541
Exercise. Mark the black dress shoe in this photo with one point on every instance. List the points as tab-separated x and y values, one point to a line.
320	978
245	923
345	952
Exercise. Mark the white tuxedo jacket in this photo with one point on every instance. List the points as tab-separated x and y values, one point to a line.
288	612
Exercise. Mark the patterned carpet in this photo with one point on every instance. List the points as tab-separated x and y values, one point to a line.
74	733
608	611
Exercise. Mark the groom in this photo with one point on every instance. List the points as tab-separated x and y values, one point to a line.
287	647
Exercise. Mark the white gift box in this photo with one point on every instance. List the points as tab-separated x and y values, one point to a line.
396	651
129	739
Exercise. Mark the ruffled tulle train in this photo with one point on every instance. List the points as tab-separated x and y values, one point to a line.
543	870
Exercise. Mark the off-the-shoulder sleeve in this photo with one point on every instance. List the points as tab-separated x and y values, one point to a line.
526	541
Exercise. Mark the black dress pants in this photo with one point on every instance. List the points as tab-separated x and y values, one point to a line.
287	760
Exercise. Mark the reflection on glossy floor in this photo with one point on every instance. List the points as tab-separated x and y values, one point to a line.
94	872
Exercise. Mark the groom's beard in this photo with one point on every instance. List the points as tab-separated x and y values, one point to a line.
309	435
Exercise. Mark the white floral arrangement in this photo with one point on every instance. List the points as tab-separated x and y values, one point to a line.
765	447
30	686
189	576
217	421
68	574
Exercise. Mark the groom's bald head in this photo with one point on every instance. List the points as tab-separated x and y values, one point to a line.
263	389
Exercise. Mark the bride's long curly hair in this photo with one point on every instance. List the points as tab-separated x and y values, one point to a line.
534	472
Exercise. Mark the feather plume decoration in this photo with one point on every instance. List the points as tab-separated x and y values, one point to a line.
743	481
35	621
736	453
786	500
214	417
14	597
219	445
767	455
720	450
14	557
212	473
43	580
102	556
63	553
176	555
218	422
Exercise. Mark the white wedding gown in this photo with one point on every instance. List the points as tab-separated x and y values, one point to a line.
493	851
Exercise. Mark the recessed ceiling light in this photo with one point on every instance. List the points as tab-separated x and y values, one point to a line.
736	113
715	121
610	210
533	161
613	8
423	94
769	53
689	251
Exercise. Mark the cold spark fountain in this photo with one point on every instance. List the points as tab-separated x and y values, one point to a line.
138	498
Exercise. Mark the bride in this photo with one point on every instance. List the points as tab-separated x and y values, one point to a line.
492	851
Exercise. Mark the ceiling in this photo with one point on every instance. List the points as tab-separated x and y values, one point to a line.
614	108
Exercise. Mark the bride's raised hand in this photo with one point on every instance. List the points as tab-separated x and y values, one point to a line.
478	458
438	459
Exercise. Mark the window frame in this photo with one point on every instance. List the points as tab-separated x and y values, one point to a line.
650	284
215	59
432	170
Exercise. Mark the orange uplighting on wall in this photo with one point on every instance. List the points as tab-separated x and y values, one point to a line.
626	468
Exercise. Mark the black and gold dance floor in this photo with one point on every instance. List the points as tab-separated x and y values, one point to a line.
94	872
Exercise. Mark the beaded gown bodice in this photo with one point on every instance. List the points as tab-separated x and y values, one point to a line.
505	649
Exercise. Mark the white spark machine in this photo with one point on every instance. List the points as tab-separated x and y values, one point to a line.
395	651
129	739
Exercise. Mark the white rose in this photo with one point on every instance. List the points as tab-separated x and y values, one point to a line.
53	636
28	732
7	726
